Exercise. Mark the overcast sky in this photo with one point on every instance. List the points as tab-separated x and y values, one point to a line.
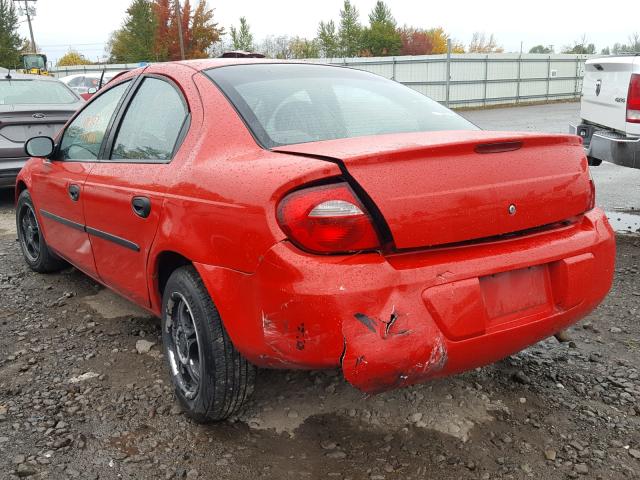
85	25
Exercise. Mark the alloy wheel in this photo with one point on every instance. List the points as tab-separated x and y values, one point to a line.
183	347
30	233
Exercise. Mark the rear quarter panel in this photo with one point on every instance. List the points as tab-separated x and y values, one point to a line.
220	206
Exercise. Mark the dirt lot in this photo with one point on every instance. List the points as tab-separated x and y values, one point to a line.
77	400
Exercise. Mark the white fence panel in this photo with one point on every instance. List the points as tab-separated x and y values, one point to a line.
474	79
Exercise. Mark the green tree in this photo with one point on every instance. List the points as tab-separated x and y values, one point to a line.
135	40
242	38
381	13
10	41
72	58
381	37
350	32
328	39
540	49
580	47
304	48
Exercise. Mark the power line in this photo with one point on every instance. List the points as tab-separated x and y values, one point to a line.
74	44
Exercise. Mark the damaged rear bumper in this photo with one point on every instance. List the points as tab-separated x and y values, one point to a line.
392	321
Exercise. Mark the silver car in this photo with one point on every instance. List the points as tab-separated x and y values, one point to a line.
30	106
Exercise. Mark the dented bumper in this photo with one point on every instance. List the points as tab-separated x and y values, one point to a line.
396	320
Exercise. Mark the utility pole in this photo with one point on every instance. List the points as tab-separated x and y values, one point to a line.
26	11
179	14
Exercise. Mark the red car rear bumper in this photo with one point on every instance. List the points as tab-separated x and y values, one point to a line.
397	320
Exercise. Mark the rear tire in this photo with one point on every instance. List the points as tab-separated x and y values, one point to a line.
593	162
212	380
35	250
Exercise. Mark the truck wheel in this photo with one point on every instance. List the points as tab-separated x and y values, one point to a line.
594	162
211	379
35	250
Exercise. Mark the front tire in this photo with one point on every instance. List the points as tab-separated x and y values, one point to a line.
35	250
211	379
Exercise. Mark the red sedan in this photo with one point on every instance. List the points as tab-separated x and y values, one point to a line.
292	215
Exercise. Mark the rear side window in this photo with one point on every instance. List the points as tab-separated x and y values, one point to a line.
152	125
83	137
285	104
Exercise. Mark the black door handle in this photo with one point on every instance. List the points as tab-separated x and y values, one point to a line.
141	206
74	192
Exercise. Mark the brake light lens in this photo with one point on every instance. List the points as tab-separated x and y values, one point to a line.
592	200
327	219
633	99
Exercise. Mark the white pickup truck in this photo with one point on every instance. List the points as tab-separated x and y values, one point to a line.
610	110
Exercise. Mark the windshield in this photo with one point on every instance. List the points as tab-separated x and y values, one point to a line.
23	91
33	61
284	104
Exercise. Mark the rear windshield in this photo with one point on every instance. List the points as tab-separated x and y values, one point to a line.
284	104
26	91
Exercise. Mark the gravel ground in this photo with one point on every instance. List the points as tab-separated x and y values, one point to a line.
83	396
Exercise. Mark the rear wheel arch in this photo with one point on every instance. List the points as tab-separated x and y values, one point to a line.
166	263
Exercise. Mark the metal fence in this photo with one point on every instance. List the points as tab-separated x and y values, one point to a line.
479	80
460	80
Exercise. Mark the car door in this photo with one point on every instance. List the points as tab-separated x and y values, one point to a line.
124	193
58	184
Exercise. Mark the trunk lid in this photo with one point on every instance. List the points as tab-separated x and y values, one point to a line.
434	188
604	91
22	122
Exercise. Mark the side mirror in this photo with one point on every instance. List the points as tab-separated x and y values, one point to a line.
92	90
39	147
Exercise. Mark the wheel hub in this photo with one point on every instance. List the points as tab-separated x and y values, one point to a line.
30	233
183	346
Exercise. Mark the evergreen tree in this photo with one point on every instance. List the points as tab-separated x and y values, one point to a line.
350	33
135	41
328	39
10	41
381	13
381	37
241	38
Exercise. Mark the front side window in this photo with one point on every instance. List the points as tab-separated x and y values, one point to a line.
152	124
284	104
83	138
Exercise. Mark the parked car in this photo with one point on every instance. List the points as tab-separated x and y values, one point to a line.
610	110
292	215
30	105
81	83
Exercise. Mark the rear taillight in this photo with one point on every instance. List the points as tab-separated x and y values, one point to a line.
592	199
633	99
327	219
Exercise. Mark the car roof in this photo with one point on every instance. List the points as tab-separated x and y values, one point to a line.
207	63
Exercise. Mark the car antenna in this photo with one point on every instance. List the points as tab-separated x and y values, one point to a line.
101	78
